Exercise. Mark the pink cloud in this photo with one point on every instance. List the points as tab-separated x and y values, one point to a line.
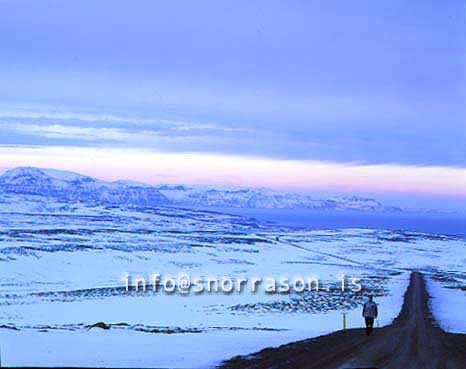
194	168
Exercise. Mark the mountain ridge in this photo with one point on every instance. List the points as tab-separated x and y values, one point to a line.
74	187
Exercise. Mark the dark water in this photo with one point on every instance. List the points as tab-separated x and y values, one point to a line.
447	224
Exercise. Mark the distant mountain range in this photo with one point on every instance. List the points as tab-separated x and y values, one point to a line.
72	187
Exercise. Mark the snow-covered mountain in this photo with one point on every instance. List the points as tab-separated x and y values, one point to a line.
73	187
262	198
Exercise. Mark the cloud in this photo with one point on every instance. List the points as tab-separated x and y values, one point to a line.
383	139
116	137
44	113
57	131
53	127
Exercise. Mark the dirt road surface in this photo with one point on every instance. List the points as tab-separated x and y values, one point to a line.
412	341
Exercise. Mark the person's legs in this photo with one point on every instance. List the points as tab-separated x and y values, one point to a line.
369	325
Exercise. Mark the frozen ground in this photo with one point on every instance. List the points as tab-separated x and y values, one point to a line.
62	269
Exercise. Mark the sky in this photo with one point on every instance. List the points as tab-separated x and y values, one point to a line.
363	96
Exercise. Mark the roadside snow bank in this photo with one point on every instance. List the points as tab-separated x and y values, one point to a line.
448	306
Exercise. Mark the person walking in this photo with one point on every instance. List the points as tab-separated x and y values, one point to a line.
369	313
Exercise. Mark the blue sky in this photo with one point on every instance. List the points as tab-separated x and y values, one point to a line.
360	82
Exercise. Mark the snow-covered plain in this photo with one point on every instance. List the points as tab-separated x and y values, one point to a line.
62	268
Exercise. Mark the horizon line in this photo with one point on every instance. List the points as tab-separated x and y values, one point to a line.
151	167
